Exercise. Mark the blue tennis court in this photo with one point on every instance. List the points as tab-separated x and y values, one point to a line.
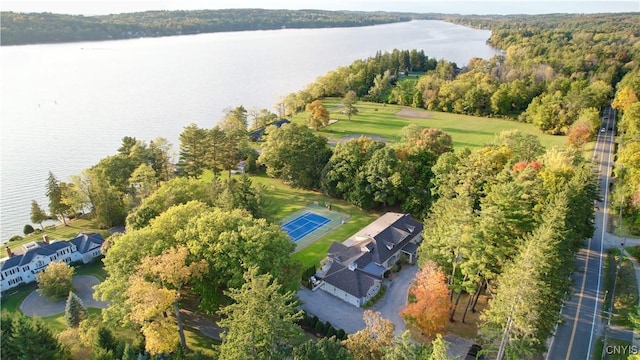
304	225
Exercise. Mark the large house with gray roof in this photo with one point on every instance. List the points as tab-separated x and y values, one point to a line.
355	268
16	269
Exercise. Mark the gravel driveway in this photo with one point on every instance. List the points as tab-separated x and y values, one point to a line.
348	317
35	304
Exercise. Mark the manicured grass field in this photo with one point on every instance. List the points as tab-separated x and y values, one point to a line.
383	120
283	200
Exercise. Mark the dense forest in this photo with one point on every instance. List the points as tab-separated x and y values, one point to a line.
33	28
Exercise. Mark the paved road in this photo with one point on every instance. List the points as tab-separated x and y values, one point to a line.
581	322
35	304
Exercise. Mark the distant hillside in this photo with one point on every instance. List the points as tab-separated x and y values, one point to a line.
35	28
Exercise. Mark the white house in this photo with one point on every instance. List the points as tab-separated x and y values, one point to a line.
16	269
355	268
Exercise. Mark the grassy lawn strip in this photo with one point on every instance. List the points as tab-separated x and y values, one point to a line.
382	120
626	292
94	268
60	232
12	299
617	350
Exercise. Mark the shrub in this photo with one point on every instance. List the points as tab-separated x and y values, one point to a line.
314	321
28	229
375	298
319	328
341	334
331	331
16	238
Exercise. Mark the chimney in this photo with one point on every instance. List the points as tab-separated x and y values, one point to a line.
9	252
46	239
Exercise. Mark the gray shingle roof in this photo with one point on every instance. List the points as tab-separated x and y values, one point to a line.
83	242
86	242
354	282
43	249
371	246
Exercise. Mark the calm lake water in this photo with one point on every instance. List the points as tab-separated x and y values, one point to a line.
63	107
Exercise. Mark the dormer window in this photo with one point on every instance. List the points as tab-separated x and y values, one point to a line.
353	266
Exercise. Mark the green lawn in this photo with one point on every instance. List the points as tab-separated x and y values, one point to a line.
283	200
617	350
626	291
94	268
60	232
382	120
12	299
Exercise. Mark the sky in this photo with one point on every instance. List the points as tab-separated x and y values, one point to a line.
503	7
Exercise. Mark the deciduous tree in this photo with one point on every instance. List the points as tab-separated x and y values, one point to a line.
156	287
317	115
371	342
349	100
56	280
37	214
405	348
344	173
430	304
295	155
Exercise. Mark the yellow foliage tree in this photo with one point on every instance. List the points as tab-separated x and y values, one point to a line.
372	342
317	115
154	289
56	280
624	98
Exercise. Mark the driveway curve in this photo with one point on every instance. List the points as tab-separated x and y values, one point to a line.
38	305
348	317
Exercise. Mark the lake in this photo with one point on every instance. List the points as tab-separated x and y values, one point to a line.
63	107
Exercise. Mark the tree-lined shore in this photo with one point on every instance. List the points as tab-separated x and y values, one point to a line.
38	28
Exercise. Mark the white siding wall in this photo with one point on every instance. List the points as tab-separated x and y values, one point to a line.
341	294
27	273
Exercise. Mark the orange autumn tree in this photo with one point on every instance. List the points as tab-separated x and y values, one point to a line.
429	304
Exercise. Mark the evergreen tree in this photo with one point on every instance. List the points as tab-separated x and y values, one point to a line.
74	311
261	321
54	193
26	338
323	349
194	145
